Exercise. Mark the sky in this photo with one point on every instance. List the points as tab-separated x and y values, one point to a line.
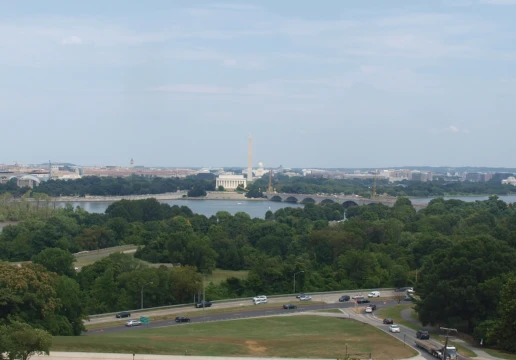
330	83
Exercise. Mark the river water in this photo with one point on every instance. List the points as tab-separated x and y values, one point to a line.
255	208
252	207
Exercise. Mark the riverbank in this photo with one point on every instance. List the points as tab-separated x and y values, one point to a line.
180	195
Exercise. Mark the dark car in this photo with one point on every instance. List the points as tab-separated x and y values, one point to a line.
408	298
289	306
344	298
200	304
123	314
388	321
182	319
300	296
422	334
372	306
403	289
362	300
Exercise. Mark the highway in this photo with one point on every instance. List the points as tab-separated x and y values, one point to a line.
326	298
406	336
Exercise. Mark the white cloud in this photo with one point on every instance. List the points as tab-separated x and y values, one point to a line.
71	40
454	129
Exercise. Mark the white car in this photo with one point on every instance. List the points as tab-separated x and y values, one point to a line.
374	294
131	323
305	298
369	309
410	291
357	296
260	301
394	328
260	297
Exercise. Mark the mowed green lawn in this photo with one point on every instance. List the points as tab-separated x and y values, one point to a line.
90	257
218	275
283	336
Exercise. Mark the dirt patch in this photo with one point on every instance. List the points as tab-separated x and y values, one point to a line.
253	346
359	310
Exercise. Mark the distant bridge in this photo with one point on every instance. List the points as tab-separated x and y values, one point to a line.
345	201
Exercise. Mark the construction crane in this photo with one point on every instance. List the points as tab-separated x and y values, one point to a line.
374	185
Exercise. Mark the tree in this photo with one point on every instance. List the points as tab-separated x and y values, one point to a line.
56	260
197	191
220	188
21	341
503	331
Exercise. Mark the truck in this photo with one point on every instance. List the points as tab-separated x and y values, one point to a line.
437	350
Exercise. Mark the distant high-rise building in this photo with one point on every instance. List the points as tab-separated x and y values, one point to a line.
132	163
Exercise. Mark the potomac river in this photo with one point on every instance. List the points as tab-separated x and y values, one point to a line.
253	207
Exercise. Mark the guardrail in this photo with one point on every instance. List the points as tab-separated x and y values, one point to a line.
241	299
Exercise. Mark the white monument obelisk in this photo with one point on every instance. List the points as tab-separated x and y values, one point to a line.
250	159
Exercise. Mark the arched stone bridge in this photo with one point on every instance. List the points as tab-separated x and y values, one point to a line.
345	201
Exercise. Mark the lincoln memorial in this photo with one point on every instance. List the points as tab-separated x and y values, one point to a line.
230	181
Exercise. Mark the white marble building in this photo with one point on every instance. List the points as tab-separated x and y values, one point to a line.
230	182
260	171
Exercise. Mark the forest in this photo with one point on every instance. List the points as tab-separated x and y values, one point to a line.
464	254
198	185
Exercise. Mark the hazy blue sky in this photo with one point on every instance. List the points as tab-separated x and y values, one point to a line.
369	83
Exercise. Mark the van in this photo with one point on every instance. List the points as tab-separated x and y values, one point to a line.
374	294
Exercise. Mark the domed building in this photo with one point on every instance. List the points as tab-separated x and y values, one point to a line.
260	171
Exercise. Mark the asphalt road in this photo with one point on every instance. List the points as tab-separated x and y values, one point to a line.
241	314
327	298
407	335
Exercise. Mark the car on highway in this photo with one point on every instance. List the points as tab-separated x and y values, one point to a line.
123	314
201	304
410	291
394	328
403	289
362	300
357	296
305	298
368	309
408	298
260	301
260	297
300	295
289	306
132	323
374	294
344	298
422	334
182	319
388	321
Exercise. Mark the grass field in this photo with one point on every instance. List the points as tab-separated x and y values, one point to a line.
285	336
500	354
395	314
90	257
218	275
330	311
190	312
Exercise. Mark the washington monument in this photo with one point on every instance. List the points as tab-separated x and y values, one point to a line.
250	159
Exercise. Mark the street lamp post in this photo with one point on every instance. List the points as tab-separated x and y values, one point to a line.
299	272
141	293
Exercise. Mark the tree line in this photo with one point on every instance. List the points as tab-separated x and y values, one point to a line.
464	253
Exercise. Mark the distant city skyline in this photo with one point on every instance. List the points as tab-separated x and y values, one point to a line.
332	84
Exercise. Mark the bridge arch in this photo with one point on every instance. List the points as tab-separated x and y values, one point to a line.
327	201
308	200
275	198
348	204
291	199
